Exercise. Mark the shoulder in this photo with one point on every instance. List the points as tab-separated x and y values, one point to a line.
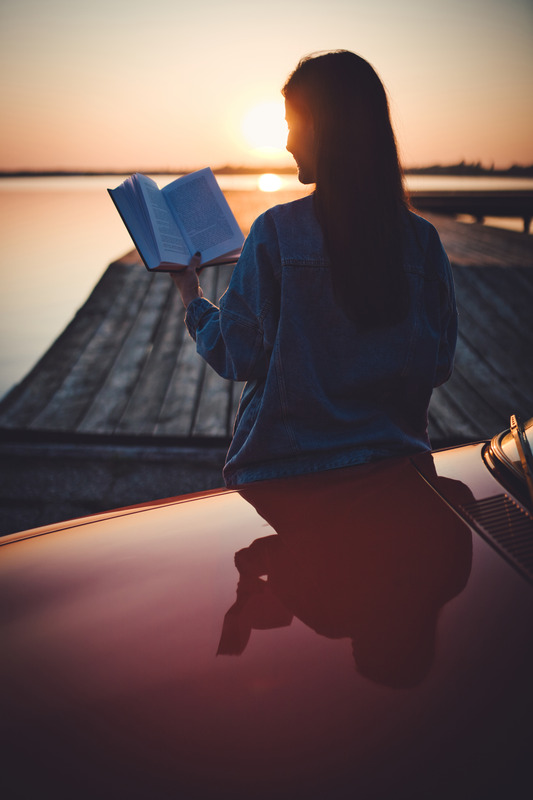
424	246
424	230
301	208
280	216
296	229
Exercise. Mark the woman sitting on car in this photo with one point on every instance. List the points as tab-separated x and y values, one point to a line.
340	314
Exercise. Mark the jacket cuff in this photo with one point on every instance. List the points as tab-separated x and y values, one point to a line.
195	311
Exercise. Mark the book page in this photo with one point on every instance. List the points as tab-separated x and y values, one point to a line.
207	222
134	218
171	244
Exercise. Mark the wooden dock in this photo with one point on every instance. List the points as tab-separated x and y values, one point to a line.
125	367
479	204
121	409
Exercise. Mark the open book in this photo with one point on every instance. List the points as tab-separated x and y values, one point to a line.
168	226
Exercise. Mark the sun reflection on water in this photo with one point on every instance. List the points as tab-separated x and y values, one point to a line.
269	182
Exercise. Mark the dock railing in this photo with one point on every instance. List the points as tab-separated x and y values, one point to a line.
478	204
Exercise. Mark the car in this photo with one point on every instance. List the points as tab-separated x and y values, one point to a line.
363	632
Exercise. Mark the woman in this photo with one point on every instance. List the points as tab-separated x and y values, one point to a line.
340	314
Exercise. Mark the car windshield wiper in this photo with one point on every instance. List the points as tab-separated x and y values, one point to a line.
524	451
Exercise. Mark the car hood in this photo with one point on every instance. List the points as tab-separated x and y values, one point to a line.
340	634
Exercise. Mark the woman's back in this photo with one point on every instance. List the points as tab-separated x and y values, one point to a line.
323	393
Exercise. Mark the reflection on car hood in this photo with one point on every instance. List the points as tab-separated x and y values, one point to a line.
337	635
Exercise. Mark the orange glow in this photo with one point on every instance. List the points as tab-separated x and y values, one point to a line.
264	129
225	108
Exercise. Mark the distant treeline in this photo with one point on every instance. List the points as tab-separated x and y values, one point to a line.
475	168
462	168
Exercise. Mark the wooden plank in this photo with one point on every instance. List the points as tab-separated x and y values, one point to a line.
449	414
236	391
490	398
180	405
475	403
109	402
496	294
26	400
213	405
516	304
479	245
436	428
71	401
143	410
178	410
493	375
500	328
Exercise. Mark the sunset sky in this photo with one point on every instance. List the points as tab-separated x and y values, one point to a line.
130	84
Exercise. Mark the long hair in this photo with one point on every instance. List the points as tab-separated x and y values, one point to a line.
360	196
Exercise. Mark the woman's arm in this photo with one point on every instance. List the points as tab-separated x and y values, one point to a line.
237	338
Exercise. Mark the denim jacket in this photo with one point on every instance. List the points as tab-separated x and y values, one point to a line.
319	393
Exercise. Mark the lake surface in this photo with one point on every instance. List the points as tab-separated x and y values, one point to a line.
58	235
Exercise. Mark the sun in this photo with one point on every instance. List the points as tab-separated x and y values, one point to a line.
264	129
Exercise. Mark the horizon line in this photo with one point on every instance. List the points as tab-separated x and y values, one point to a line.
471	168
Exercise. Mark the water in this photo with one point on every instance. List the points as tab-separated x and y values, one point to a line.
58	236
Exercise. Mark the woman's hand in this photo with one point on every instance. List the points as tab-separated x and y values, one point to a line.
187	281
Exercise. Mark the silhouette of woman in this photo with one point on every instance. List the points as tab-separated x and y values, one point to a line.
340	314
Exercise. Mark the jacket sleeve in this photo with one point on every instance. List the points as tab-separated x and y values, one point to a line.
448	317
237	338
